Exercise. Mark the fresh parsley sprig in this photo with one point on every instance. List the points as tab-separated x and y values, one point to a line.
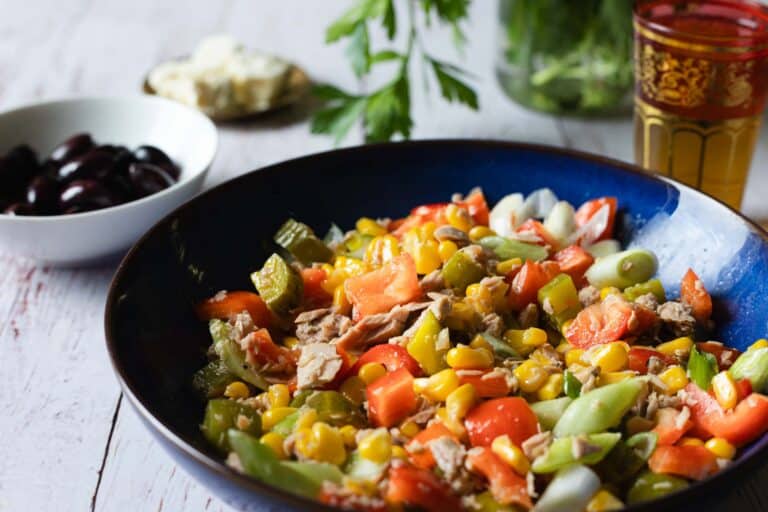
386	111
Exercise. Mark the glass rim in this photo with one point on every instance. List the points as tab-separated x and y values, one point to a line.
751	8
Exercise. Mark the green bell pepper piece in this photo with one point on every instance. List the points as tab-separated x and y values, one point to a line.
278	284
361	468
316	473
300	398
506	248
423	345
212	379
752	365
653	286
560	452
232	356
301	242
222	414
643	444
461	271
623	463
571	385
559	299
259	461
702	367
570	490
548	412
622	269
285	426
599	409
335	409
501	349
650	486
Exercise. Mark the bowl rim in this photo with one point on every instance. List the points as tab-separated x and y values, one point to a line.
143	406
193	174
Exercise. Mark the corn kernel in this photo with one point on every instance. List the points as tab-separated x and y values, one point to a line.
353	388
334	279
290	341
524	341
349	435
565	326
461	317
398	452
720	448
321	443
604	501
610	357
306	419
327	267
352	267
573	356
426	257
480	298
530	376
507	266
275	442
278	395
552	388
237	389
460	401
675	378
563	347
381	250
427	231
677	346
446	249
511	454
464	357
376	446
691	441
725	390
761	343
438	386
275	415
370	372
609	290
479	341
409	429
369	227
458	217
613	377
477	233
340	302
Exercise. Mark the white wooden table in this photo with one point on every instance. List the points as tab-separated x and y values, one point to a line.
67	439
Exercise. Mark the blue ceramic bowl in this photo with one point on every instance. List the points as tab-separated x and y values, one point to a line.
214	241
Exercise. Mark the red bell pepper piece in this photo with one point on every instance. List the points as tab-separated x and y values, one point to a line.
380	290
263	350
393	357
725	356
590	208
526	283
488	384
692	462
477	207
668	427
507	487
417	448
639	356
391	398
574	261
693	293
744	423
314	294
419	487
599	323
229	304
538	229
511	416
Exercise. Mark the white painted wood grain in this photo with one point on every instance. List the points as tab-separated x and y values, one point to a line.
57	392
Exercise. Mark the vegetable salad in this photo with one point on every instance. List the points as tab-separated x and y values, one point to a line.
463	358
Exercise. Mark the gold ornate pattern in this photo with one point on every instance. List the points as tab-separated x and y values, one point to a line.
670	42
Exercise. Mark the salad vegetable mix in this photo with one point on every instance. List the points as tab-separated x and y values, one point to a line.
463	358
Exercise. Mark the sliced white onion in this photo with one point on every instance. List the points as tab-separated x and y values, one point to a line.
587	234
569	491
504	216
604	248
539	203
561	221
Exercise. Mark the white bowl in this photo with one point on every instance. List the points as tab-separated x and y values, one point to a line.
187	136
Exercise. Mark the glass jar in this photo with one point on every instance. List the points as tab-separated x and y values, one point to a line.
566	56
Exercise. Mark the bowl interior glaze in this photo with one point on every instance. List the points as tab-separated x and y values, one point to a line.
216	240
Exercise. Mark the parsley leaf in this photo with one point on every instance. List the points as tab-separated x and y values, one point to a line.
358	51
388	111
451	87
341	113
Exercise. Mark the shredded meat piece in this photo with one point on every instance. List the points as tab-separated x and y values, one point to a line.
648	301
452	234
318	364
375	329
537	444
670	401
233	461
581	447
440	307
529	316
344	498
425	413
655	365
588	377
530	485
642	398
449	456
589	295
320	326
652	405
242	325
493	324
677	317
433	282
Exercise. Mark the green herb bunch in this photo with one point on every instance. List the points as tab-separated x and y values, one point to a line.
386	111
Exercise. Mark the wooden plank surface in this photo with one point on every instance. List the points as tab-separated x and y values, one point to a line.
69	442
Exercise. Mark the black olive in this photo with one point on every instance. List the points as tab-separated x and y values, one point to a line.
152	155
43	194
20	209
72	147
94	164
148	179
86	193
